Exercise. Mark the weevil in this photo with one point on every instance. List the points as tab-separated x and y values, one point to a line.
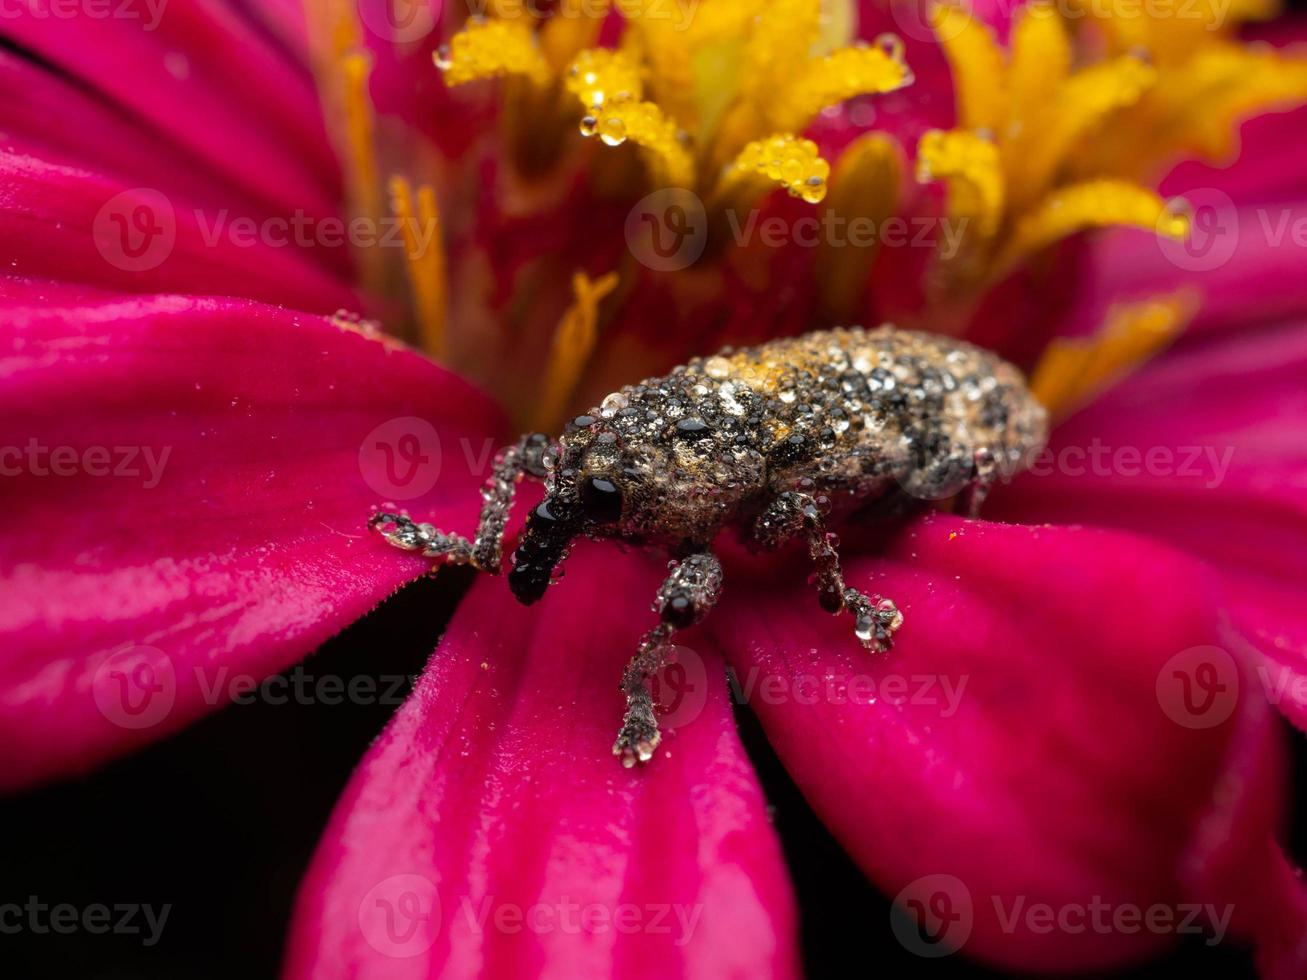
778	442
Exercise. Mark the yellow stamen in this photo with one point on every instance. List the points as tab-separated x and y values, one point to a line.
970	165
425	251
1093	204
842	74
979	71
493	49
1041	62
779	46
864	187
792	162
573	343
363	177
599	75
1074	370
1083	102
644	124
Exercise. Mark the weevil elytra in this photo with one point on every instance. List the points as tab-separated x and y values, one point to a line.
778	442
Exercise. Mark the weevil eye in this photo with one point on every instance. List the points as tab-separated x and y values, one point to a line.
601	500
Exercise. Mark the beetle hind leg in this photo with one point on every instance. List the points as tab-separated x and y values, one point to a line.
793	514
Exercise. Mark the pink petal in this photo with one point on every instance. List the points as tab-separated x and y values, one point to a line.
138	588
494	792
67	223
202	74
1203	448
1058	771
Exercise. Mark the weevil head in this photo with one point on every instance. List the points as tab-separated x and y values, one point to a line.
594	489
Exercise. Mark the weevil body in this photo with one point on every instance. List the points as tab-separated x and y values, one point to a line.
776	442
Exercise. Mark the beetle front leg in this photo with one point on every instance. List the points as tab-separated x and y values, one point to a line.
685	598
524	458
793	514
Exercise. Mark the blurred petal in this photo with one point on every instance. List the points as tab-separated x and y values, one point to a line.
203	75
489	832
186	487
1026	742
1204	448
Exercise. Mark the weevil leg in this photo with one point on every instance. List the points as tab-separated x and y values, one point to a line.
525	458
690	590
793	514
984	476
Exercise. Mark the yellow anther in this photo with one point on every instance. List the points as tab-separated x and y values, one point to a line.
787	160
425	254
492	49
600	75
979	68
969	164
779	45
1074	370
1094	204
644	124
573	343
858	70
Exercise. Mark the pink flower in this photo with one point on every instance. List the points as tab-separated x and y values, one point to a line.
1079	715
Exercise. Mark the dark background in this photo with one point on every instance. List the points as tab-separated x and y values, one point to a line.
221	820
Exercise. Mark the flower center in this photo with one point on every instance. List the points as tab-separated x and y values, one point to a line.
1062	126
